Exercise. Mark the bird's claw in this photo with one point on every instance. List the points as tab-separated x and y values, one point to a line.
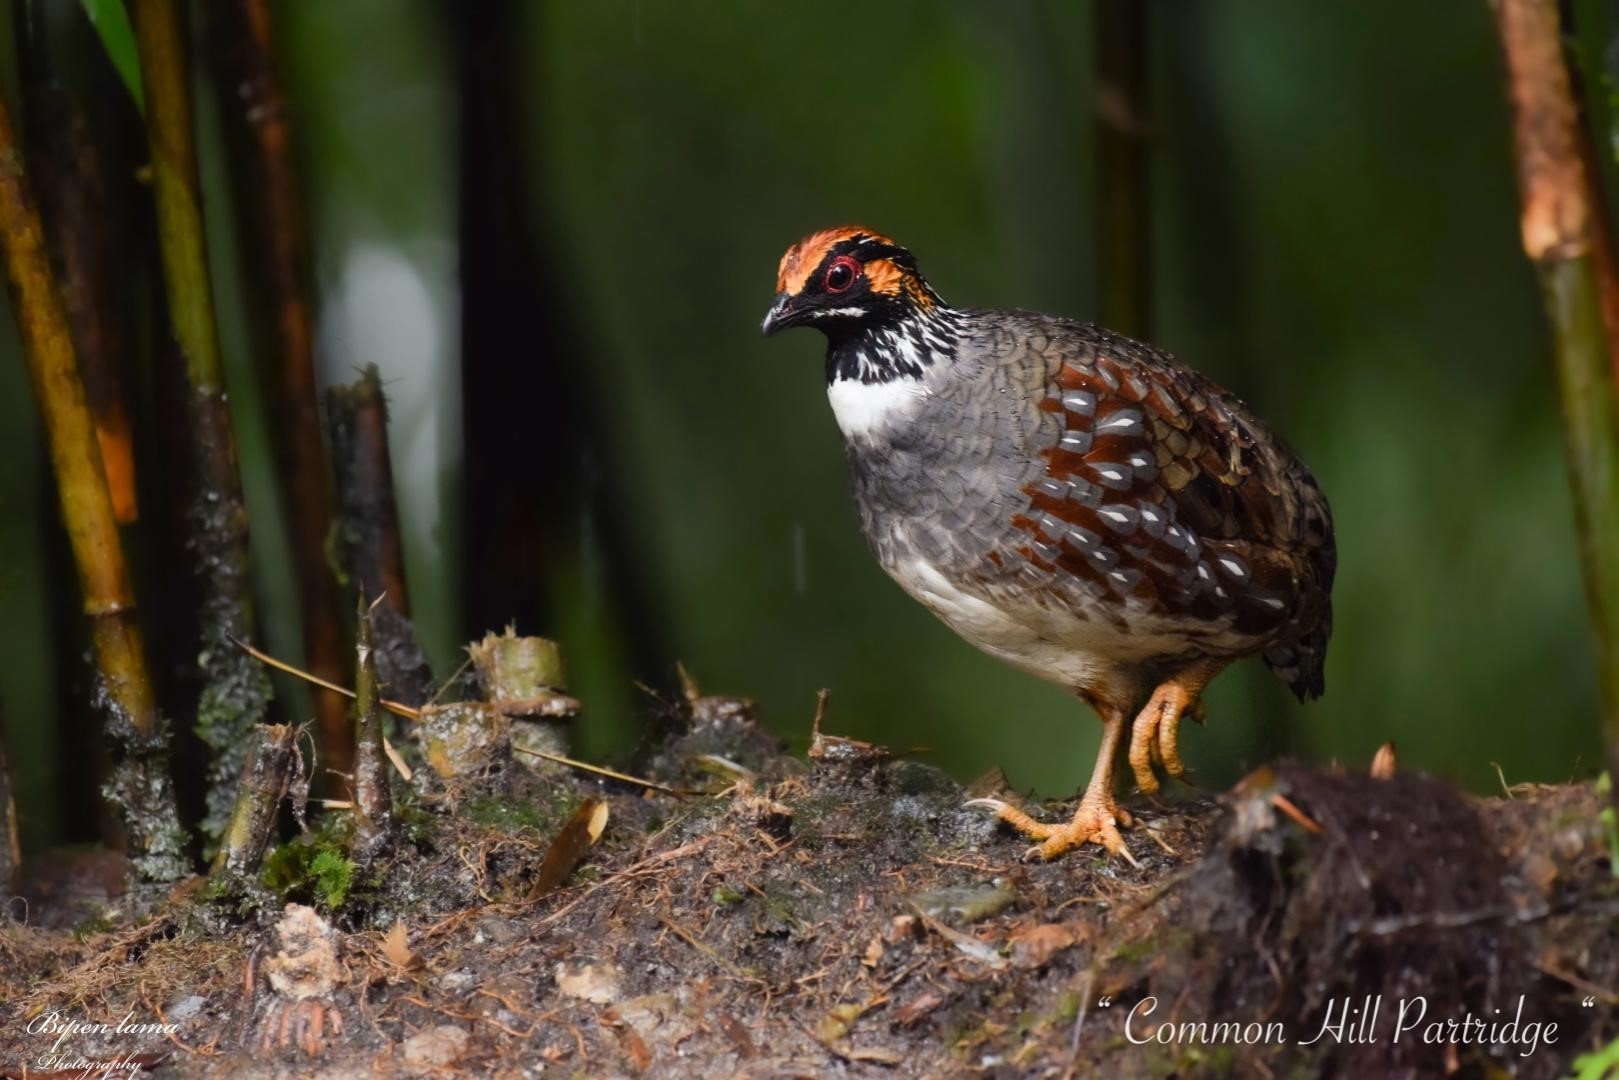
1155	735
1096	821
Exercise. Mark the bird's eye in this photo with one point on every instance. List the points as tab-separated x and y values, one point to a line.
841	274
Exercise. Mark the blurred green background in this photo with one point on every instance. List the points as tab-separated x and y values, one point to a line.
1334	238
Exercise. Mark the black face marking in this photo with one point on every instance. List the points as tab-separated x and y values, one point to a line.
903	348
874	336
881	319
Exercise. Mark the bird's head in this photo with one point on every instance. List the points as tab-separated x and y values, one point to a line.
848	282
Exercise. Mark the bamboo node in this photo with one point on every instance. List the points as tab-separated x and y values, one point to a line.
1554	231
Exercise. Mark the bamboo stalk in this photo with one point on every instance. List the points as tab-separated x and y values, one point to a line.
523	526
369	547
275	246
65	164
373	800
1123	221
10	838
235	694
65	169
140	784
1601	231
1558	223
266	775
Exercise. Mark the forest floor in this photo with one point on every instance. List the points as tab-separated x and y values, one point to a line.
847	916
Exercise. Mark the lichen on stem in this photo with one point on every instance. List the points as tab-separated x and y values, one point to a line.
266	776
373	798
235	692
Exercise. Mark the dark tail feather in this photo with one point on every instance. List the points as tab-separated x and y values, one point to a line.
1302	664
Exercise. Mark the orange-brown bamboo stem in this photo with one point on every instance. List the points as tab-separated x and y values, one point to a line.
369	547
141	783
1601	231
275	246
235	693
65	165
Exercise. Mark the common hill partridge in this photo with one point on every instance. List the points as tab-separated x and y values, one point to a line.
1071	501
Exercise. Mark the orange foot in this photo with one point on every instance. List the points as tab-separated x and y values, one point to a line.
1096	821
1155	734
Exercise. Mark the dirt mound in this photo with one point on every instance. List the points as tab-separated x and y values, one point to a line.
847	916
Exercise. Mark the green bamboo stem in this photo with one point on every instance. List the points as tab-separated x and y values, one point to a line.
56	63
165	73
140	785
1558	222
275	262
235	691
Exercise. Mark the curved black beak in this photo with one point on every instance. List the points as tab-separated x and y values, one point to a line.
781	315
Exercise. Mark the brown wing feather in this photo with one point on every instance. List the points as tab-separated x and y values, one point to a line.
1165	495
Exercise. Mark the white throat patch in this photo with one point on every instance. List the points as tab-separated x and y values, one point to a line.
865	410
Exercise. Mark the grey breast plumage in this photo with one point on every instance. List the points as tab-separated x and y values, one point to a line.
1056	460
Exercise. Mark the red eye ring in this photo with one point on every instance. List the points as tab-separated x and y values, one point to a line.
841	274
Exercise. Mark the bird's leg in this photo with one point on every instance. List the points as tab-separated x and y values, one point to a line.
1098	818
1156	730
